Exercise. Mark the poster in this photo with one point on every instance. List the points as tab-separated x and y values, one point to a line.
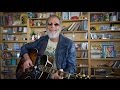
108	51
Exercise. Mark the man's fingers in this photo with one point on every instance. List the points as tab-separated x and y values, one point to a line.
31	64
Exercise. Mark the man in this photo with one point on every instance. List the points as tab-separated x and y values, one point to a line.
55	45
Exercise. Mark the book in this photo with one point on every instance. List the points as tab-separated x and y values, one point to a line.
116	64
77	26
71	26
16	46
85	25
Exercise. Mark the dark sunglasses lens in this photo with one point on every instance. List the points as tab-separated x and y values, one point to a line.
50	24
56	24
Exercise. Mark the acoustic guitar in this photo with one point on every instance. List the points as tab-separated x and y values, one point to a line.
42	69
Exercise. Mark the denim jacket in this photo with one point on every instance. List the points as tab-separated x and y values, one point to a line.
65	52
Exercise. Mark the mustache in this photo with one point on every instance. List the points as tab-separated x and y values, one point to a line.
58	30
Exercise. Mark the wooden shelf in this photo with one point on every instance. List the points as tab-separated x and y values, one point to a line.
37	27
11	66
106	59
106	22
82	58
18	33
101	67
37	18
82	31
19	41
105	31
76	20
105	40
105	76
14	26
11	50
81	40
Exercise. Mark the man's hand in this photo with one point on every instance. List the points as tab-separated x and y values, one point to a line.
27	64
56	76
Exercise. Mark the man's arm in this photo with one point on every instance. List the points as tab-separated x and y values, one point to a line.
71	62
28	46
26	56
24	53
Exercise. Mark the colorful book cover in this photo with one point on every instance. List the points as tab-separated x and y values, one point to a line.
108	51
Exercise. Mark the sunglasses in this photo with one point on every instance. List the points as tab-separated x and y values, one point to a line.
56	24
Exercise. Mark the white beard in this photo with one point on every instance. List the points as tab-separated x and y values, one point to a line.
54	34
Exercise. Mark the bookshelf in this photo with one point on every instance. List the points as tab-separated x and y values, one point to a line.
13	36
77	30
104	44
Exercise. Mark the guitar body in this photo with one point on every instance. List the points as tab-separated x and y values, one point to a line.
33	72
42	68
44	72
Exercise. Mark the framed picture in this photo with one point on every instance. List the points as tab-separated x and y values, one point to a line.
108	51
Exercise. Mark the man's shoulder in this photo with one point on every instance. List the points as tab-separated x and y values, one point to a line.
66	39
43	37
